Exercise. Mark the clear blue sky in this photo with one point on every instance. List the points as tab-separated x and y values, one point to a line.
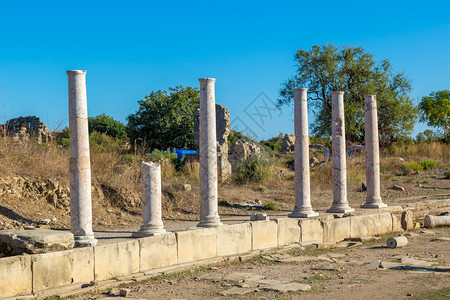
130	48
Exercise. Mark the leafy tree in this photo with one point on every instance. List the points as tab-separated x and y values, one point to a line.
327	68
107	125
435	111
165	119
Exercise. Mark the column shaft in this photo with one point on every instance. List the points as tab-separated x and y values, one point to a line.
209	212
373	199
302	207
80	169
151	201
339	172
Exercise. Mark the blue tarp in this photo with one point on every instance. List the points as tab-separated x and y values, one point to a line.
180	152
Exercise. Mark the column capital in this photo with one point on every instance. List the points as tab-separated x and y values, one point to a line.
202	80
76	72
337	93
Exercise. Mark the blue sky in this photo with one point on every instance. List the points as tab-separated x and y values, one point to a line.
130	48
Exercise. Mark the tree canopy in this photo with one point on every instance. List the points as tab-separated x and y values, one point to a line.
107	125
327	68
435	110
165	119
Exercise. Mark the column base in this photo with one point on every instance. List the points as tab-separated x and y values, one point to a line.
374	205
303	214
145	232
340	209
209	224
85	241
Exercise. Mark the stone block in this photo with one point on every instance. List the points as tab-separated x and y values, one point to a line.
264	235
336	230
15	276
288	231
196	244
396	224
234	239
371	225
51	270
116	259
311	231
157	252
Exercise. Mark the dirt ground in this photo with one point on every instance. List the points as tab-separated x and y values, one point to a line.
339	273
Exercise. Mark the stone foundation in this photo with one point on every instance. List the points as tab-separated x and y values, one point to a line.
31	274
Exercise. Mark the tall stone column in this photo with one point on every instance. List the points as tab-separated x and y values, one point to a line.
373	199
302	207
151	201
80	168
340	203
209	212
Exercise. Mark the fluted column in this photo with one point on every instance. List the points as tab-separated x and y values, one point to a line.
302	207
339	172
373	199
80	168
151	201
209	212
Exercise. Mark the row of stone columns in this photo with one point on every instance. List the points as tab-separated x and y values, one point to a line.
340	204
80	174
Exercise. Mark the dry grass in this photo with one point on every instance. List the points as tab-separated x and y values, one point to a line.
436	151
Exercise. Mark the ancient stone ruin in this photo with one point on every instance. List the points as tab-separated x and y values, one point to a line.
27	129
222	132
242	149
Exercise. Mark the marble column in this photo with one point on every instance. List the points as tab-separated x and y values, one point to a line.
151	201
339	164
80	168
373	199
302	207
209	212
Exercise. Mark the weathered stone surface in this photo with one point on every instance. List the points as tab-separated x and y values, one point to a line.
196	244
234	291
396	242
371	225
27	129
434	221
234	239
288	287
264	235
407	220
16	242
241	276
117	259
56	269
157	252
287	144
336	230
15	276
222	132
311	231
288	231
396	224
259	217
242	149
151	201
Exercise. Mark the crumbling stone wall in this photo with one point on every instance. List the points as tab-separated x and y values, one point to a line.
222	132
287	145
27	129
242	149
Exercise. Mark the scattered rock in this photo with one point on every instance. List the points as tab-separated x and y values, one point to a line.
415	262
259	217
288	287
363	187
236	291
239	277
124	292
398	188
186	187
374	264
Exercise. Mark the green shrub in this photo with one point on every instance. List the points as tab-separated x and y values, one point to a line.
270	206
428	164
254	169
103	142
411	167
